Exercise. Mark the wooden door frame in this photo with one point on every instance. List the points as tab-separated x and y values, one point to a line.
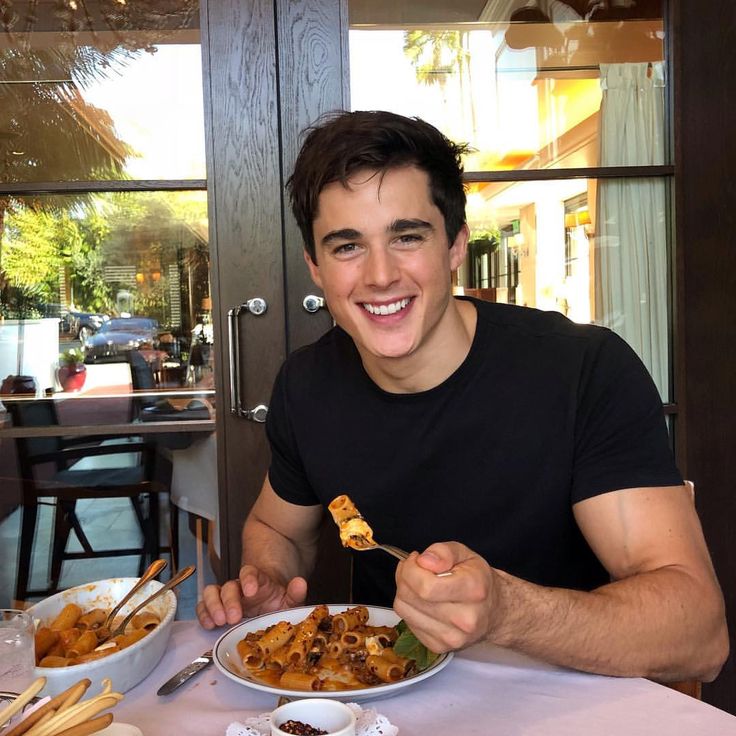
704	70
244	206
271	68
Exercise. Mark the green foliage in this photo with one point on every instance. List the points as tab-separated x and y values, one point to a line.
435	55
41	249
33	250
40	246
407	645
71	357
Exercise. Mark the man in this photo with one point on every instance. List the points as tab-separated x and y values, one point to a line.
536	445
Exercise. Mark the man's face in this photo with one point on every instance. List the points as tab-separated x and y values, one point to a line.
384	263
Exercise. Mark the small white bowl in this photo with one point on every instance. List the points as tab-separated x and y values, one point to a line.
329	715
125	668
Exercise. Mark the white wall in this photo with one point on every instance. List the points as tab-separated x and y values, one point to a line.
39	349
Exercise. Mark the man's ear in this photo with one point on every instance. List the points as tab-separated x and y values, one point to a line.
459	249
313	269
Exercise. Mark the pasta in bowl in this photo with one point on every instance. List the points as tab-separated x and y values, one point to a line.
337	651
67	628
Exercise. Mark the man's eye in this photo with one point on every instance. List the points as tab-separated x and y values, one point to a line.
409	239
345	249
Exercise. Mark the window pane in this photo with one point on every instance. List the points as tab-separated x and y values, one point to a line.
564	246
543	87
94	91
121	281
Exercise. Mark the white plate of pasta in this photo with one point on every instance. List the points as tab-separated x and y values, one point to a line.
320	651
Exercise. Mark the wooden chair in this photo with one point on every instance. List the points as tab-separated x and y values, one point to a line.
50	469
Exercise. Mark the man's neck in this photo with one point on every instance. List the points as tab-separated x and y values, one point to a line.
434	362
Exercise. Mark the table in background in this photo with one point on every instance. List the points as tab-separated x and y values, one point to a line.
485	691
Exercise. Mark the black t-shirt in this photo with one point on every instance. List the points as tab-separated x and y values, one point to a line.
542	413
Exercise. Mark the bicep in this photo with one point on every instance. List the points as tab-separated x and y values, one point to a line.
636	530
299	524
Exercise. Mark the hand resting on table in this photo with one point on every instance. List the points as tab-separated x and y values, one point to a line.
255	592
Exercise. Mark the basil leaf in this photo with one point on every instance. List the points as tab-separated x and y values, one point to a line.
407	645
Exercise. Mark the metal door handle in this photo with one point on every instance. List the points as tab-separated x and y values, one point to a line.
256	306
313	303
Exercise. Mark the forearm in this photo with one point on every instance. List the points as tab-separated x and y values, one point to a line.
275	554
663	624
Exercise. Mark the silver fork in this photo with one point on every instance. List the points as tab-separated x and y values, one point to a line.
364	545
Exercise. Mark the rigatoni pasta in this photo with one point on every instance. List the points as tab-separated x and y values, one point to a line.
324	651
74	636
354	529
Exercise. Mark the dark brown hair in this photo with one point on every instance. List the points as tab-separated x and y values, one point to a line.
342	143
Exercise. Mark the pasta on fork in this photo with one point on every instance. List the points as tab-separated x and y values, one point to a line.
354	529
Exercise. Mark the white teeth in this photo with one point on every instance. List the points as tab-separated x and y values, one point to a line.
386	308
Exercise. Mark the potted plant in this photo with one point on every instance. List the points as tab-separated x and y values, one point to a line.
72	371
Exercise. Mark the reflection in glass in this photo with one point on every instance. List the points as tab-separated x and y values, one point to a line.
100	90
570	246
115	279
524	91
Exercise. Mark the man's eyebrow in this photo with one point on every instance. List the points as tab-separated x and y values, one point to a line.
399	226
347	233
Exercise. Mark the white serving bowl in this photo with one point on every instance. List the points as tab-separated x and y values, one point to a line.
328	715
125	668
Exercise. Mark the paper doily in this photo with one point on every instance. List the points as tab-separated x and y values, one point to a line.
369	723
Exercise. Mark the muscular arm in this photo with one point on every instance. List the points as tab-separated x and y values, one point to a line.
661	617
280	538
279	547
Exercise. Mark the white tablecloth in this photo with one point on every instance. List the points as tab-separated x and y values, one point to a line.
485	691
194	481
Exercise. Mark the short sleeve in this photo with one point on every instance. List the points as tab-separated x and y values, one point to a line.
286	472
621	438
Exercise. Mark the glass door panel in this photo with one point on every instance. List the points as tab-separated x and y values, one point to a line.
107	347
90	282
543	94
564	246
524	89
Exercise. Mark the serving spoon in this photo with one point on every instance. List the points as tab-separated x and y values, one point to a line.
153	570
180	577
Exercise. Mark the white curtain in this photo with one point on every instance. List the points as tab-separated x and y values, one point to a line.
630	243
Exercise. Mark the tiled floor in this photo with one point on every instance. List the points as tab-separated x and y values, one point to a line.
108	523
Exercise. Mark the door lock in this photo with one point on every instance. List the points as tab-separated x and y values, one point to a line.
313	303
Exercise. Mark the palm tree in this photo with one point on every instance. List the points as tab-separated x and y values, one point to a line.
437	57
48	131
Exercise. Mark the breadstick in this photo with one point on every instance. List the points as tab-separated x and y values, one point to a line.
75	694
47	708
22	700
76	714
88	727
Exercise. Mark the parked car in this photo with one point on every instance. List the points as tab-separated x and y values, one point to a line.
67	322
73	322
86	323
120	335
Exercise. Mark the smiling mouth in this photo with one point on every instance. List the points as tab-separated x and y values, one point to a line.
384	309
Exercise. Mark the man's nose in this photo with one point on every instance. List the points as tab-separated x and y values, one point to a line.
381	268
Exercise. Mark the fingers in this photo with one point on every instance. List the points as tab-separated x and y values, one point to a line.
252	580
253	593
231	595
443	556
220	605
296	592
445	612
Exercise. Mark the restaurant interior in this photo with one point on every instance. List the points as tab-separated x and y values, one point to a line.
151	273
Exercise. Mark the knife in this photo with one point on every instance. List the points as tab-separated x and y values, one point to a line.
183	675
